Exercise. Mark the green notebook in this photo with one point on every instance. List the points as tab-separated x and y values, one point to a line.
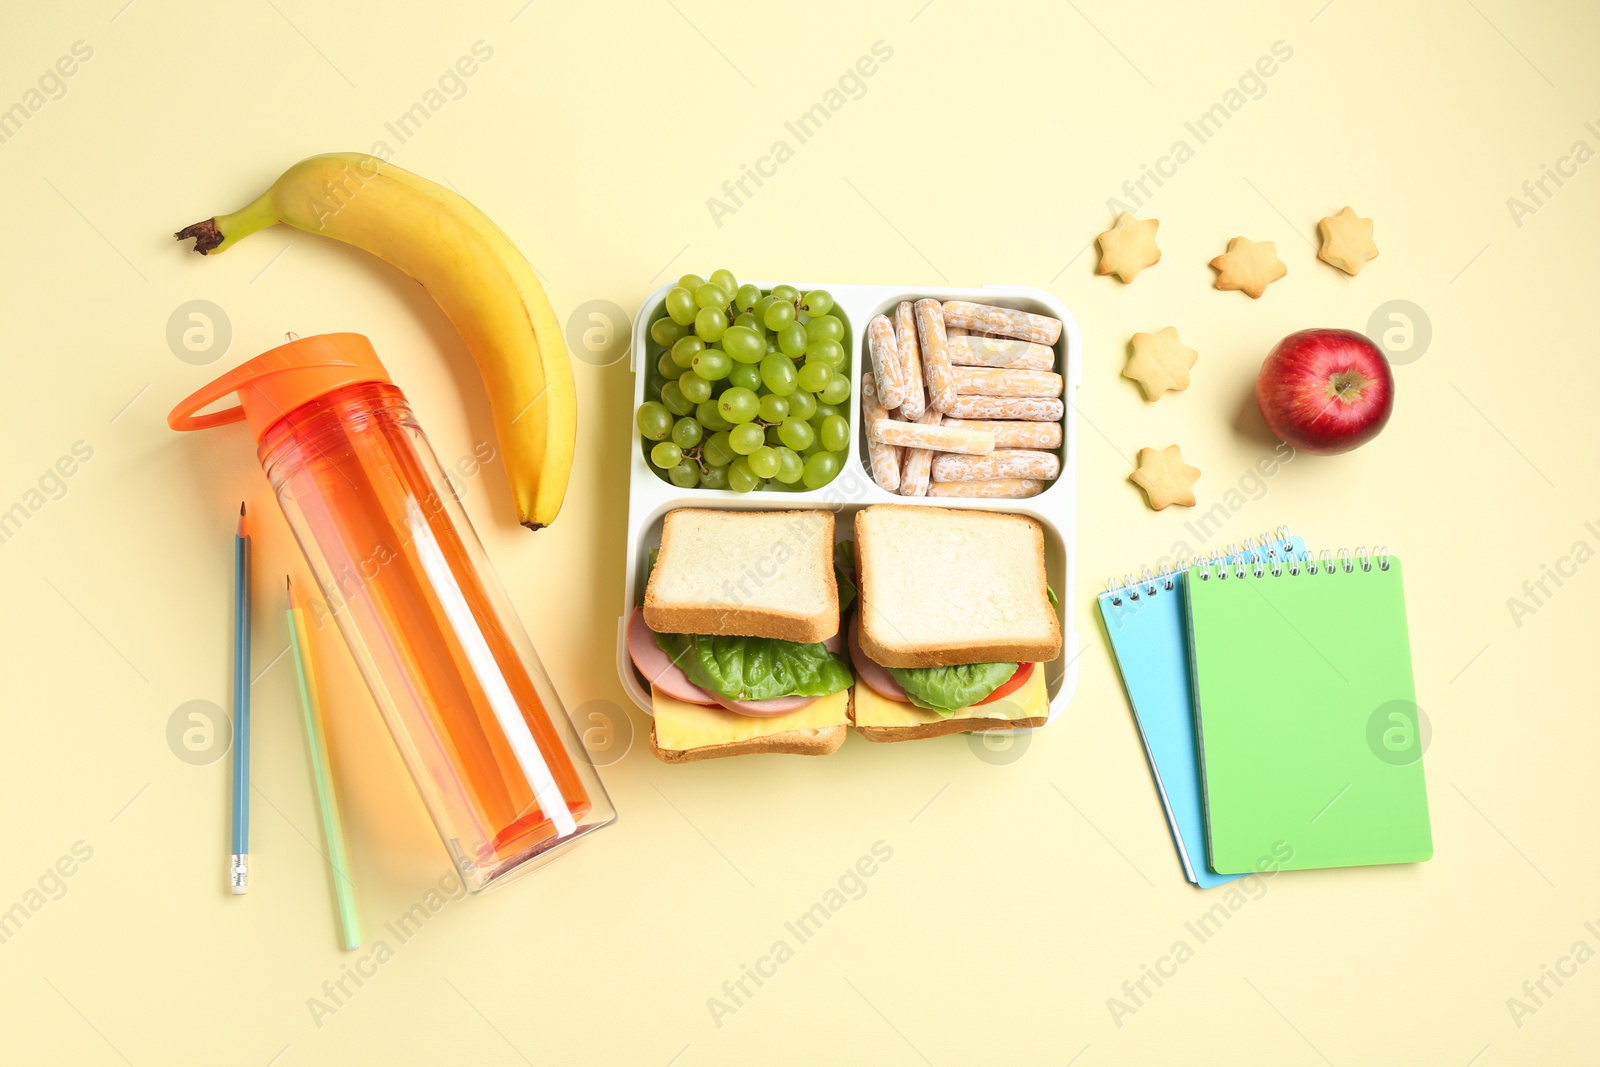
1311	754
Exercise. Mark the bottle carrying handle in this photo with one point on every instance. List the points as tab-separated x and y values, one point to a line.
276	382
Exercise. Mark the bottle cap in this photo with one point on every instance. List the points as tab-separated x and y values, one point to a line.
276	382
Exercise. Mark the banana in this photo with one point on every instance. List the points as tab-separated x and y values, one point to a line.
483	284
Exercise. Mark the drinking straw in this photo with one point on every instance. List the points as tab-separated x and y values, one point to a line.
239	865
327	798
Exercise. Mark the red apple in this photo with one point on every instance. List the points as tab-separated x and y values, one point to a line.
1325	391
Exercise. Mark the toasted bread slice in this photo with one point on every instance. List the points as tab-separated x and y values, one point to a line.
882	720
747	573
946	586
683	733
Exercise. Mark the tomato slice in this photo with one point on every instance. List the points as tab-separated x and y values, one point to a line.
1012	684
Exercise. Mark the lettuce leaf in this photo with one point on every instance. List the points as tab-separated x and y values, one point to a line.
946	690
757	668
844	571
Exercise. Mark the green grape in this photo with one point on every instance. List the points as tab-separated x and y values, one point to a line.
818	302
684	351
812	449
680	305
654	420
834	434
820	469
715	477
824	328
790	465
760	310
711	296
710	324
822	411
774	408
666	455
786	293
672	396
792	340
724	280
764	462
666	367
738	404
664	331
744	344
828	353
686	433
778	373
778	316
775	434
814	377
718	451
695	389
749	322
796	433
741	479
746	375
802	405
712	364
746	438
837	390
691	282
685	475
746	297
709	417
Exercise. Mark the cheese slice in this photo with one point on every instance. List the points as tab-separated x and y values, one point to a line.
681	727
1029	702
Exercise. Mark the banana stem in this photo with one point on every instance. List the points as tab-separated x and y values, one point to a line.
223	231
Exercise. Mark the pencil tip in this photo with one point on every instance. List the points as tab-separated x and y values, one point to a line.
239	531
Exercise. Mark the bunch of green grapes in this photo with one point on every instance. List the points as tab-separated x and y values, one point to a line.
751	389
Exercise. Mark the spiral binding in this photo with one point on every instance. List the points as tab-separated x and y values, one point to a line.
1326	561
1258	555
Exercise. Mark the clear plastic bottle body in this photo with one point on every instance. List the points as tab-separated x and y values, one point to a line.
477	721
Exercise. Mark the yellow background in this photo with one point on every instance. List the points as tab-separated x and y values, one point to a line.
1020	896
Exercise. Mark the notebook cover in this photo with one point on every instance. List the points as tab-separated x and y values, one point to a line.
1303	687
1150	641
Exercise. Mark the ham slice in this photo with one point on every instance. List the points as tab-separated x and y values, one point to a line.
760	709
657	667
876	678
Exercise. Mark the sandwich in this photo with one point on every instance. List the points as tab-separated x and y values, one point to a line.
954	622
738	636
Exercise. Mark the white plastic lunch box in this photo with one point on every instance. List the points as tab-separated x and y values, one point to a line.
651	496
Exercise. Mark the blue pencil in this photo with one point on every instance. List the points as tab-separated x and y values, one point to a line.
239	864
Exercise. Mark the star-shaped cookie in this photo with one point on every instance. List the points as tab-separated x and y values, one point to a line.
1346	241
1160	362
1128	247
1165	478
1249	266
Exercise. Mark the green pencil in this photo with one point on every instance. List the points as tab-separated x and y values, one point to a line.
327	799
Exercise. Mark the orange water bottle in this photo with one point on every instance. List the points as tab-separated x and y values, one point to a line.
478	723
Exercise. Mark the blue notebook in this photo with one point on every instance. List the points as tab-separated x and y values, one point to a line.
1146	620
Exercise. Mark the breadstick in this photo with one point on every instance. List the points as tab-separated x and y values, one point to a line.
1034	409
905	341
885	459
886	362
975	351
916	463
952	332
995	381
1006	463
935	355
1010	433
1006	322
926	433
993	487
